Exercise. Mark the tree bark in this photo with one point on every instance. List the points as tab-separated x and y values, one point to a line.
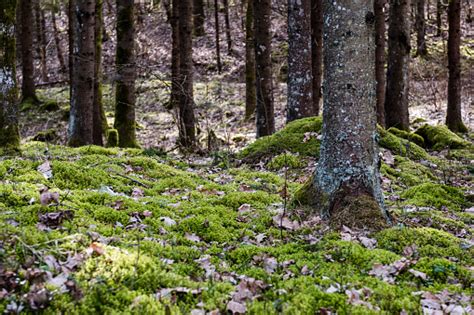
396	95
9	133
227	26
186	121
28	89
57	41
199	18
125	98
250	89
380	59
454	117
218	48
265	119
317	51
99	119
41	41
346	184
439	16
300	80
420	26
175	84
80	130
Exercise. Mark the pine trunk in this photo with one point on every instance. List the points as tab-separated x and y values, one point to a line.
28	90
199	18
57	41
100	121
250	89
218	45
439	16
380	58
420	26
227	26
317	51
175	85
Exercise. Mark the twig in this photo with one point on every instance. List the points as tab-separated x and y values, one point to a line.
132	179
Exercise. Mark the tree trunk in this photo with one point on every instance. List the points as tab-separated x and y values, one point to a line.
218	48
250	89
380	58
82	86
175	84
126	73
420	27
100	121
187	125
439	15
57	41
454	117
227	27
265	119
346	184
199	18
28	90
41	41
300	79
396	95
70	31
9	133
317	51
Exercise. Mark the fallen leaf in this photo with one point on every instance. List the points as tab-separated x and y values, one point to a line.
192	237
236	307
46	170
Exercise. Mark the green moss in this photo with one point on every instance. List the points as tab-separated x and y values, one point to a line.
408	172
285	160
112	138
48	135
291	139
435	195
400	146
258	199
440	137
440	270
413	137
50	105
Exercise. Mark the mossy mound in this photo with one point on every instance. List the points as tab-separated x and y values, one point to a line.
413	137
408	172
440	137
401	146
435	195
289	160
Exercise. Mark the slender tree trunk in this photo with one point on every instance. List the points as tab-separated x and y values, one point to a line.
300	79
126	73
396	95
218	48
227	27
439	15
57	41
380	58
28	89
265	119
70	30
420	26
199	18
187	124
250	89
100	121
454	117
9	133
317	51
346	185
82	87
175	84
41	39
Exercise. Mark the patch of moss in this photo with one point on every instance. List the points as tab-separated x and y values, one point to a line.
289	160
48	135
409	172
400	146
50	105
435	195
440	270
440	137
413	137
112	138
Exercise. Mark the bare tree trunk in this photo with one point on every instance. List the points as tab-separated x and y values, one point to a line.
380	58
439	15
199	18
41	41
218	48
396	96
125	98
420	26
9	133
317	51
265	119
175	84
28	89
57	41
250	89
100	121
80	130
454	116
227	27
70	30
300	79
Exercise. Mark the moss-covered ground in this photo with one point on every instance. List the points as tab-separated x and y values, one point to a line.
104	230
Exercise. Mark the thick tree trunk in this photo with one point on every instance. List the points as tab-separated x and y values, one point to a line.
100	121
175	84
265	119
57	41
420	26
28	90
396	95
454	117
317	51
218	47
199	18
186	121
9	133
380	58
227	27
346	185
300	79
250	89
82	87
125	98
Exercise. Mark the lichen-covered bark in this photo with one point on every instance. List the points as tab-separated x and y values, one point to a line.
186	119
317	51
125	98
380	58
9	134
300	83
265	109
199	18
99	119
396	95
250	89
347	172
420	26
28	90
454	117
80	130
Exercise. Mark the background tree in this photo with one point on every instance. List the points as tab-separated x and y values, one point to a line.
125	98
99	120
316	51
250	88
265	111
217	29
41	41
175	84
420	26
57	39
199	17
396	95
346	185
227	26
300	79
82	86
9	133
453	117
380	58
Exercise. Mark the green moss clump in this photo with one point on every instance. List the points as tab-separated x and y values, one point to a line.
291	138
413	137
409	172
285	160
440	137
48	135
435	195
112	138
401	146
50	106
